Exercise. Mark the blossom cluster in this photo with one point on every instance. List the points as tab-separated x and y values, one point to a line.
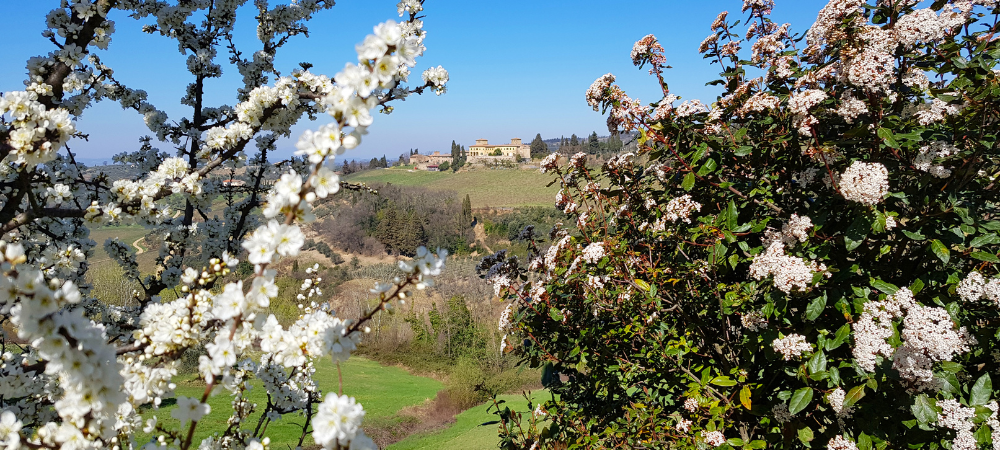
90	364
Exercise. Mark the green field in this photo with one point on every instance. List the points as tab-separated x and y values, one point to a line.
486	188
383	391
468	432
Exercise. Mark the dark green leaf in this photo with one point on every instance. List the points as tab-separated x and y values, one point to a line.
818	362
723	381
886	136
984	256
842	335
981	391
854	395
800	400
816	307
806	435
887	288
923	410
986	239
914	236
940	250
707	168
688	182
857	232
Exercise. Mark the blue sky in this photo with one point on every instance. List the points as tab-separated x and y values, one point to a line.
518	67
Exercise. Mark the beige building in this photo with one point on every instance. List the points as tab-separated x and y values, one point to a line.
515	150
424	162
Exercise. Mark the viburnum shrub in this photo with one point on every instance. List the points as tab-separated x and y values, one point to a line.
89	366
811	260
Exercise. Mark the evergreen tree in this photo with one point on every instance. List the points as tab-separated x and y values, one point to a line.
539	147
574	141
466	211
402	161
345	168
593	144
385	164
614	144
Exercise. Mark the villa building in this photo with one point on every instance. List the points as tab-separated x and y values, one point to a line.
514	151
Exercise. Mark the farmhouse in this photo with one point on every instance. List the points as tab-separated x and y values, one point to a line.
424	162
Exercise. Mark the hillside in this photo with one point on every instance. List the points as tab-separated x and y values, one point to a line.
486	188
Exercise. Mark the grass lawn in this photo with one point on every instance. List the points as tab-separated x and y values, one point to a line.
468	433
381	390
486	188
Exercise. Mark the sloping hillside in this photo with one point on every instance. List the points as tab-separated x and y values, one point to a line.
486	188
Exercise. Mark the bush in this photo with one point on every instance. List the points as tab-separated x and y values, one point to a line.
812	262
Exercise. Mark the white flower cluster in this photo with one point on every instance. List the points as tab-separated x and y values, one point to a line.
793	232
36	133
754	321
288	392
691	107
841	443
801	102
338	424
713	438
593	252
958	418
789	272
875	326
933	112
975	287
436	77
924	161
929	336
504	323
836	399
74	348
597	93
851	107
865	183
314	335
680	208
759	103
409	6
791	346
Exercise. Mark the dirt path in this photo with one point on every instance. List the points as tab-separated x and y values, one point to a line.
138	248
481	236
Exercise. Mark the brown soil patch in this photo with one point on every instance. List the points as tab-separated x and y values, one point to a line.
432	415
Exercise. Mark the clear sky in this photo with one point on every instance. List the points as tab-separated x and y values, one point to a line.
518	67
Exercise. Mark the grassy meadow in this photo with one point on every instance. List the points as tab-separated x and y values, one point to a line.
383	391
486	188
468	431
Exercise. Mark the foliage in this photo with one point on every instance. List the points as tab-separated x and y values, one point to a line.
397	220
538	147
810	262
